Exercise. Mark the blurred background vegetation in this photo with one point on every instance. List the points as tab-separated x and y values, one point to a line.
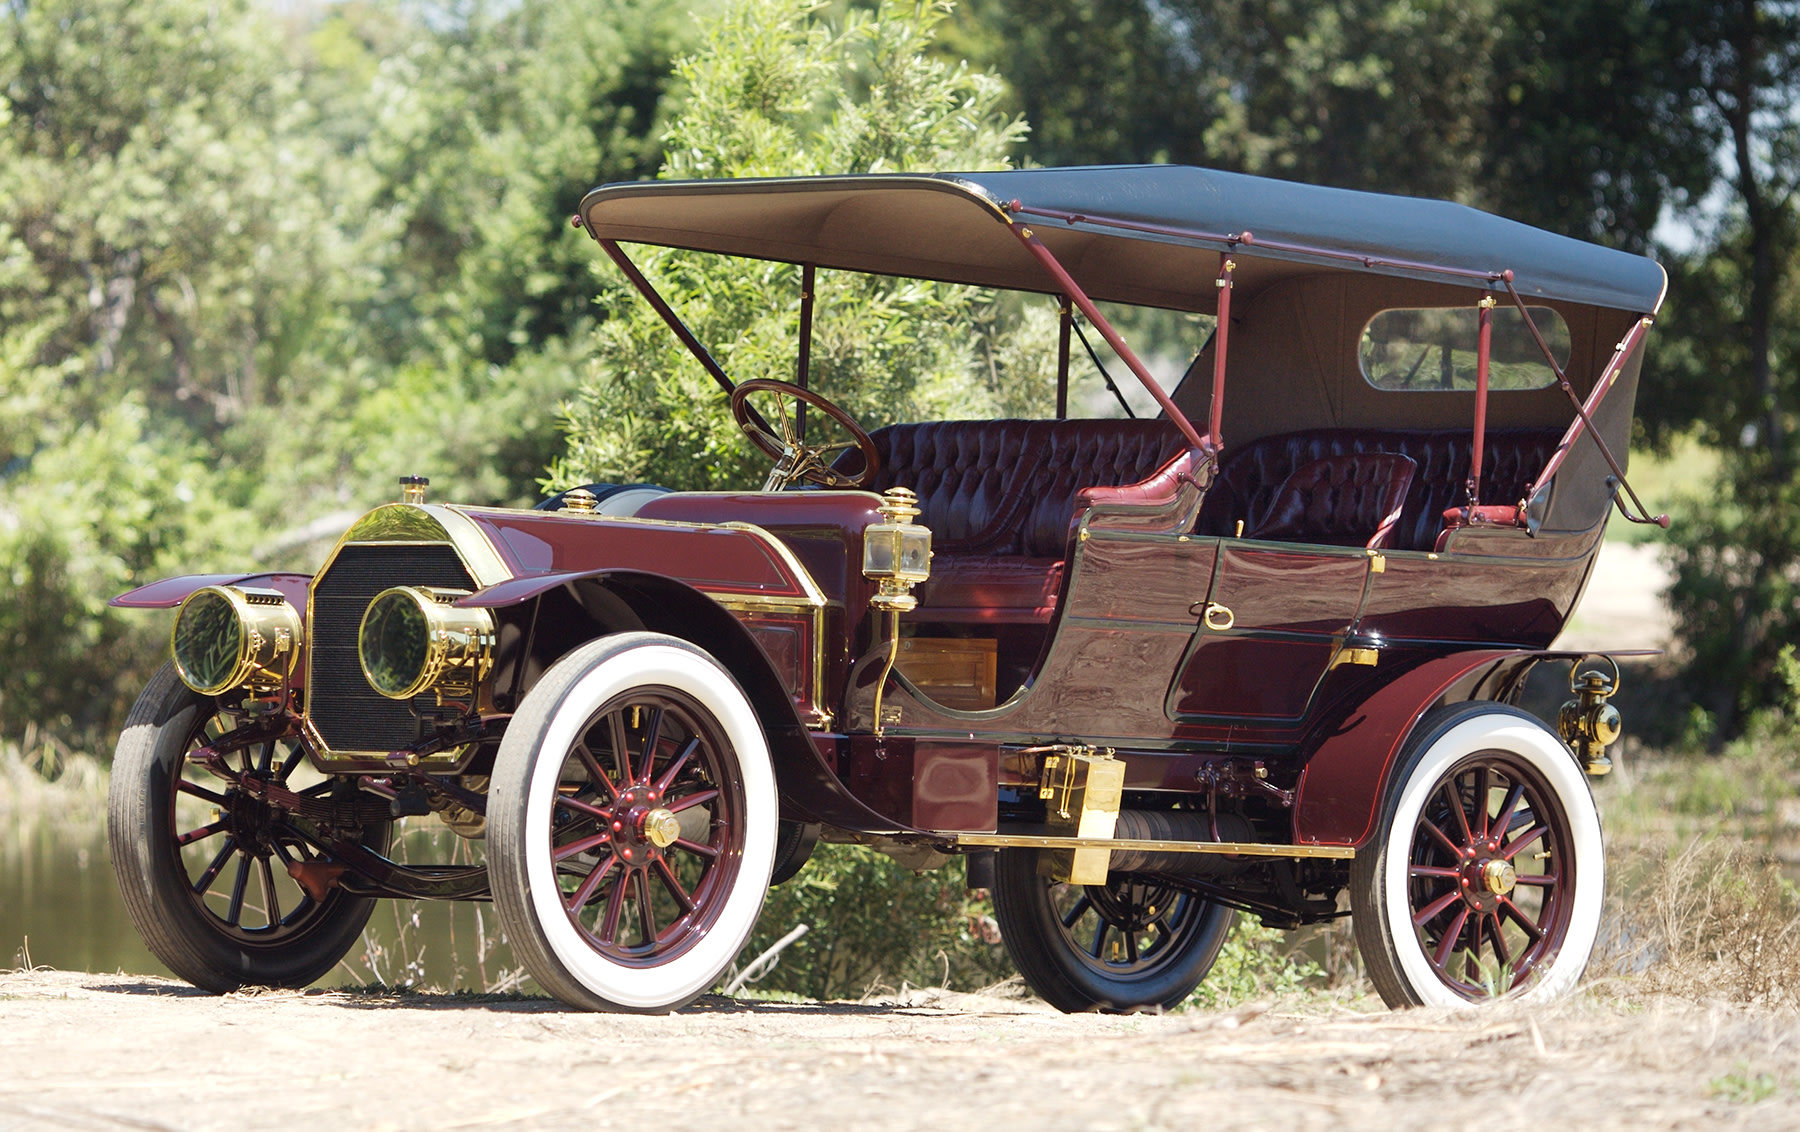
257	259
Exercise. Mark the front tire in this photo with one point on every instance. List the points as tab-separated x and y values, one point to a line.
632	825
202	866
1487	872
1117	948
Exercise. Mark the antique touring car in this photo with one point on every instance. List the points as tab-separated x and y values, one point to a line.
1262	652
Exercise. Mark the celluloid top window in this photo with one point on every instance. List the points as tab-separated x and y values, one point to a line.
1427	350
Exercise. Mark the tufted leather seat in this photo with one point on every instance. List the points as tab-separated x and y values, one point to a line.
1251	475
998	497
1350	500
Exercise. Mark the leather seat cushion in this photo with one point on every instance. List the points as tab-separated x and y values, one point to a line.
1251	474
1348	500
1008	487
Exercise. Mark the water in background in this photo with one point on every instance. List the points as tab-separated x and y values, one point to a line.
59	907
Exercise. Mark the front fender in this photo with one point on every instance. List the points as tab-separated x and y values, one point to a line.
171	592
809	786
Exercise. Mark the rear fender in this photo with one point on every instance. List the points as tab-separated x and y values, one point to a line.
1350	759
622	600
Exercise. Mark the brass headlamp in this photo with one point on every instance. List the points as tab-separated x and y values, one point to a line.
896	552
414	639
1588	723
229	637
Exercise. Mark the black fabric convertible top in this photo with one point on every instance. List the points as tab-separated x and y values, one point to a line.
952	226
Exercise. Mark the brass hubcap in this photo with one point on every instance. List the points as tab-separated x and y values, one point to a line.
1499	876
662	827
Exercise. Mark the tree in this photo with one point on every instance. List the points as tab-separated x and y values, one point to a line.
774	91
1737	589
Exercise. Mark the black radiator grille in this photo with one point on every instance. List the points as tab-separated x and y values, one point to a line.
350	715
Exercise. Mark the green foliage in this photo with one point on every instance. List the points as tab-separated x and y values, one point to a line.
891	926
774	90
1253	964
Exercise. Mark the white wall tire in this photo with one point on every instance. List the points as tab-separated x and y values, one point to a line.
1459	902
623	940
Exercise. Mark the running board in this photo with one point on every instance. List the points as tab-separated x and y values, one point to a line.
1233	848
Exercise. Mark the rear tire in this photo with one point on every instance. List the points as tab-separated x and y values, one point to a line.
1117	948
1486	875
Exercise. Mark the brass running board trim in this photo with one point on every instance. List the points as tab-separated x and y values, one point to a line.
1239	848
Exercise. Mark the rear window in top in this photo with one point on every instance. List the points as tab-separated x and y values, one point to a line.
1422	350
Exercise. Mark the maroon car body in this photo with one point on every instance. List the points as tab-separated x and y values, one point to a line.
1258	653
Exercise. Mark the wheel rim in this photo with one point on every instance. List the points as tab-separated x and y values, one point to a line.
647	835
1126	928
1490	876
234	850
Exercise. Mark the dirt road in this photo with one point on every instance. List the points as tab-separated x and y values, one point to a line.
104	1052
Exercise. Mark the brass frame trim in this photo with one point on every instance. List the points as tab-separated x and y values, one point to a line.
1235	848
400	524
812	605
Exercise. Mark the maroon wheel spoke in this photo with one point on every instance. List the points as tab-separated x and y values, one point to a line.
1538	880
591	884
1519	917
674	886
581	807
1503	823
1075	913
1453	794
675	765
199	791
691	801
271	901
1441	837
1484	788
640	880
576	848
1512	848
1424	915
1498	931
234	912
211	871
266	760
652	733
621	744
1441	957
1131	947
203	832
615	904
1444	872
1474	963
707	851
594	772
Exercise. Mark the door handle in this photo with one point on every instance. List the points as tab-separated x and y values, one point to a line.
1213	615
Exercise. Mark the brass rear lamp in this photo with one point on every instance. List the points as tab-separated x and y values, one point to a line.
229	637
896	552
414	639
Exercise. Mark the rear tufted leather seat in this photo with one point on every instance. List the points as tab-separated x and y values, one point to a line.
998	497
1249	476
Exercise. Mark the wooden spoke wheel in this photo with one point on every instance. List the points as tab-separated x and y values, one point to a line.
203	863
1130	944
1486	876
632	825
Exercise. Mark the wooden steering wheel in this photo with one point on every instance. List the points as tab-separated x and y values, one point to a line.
794	458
